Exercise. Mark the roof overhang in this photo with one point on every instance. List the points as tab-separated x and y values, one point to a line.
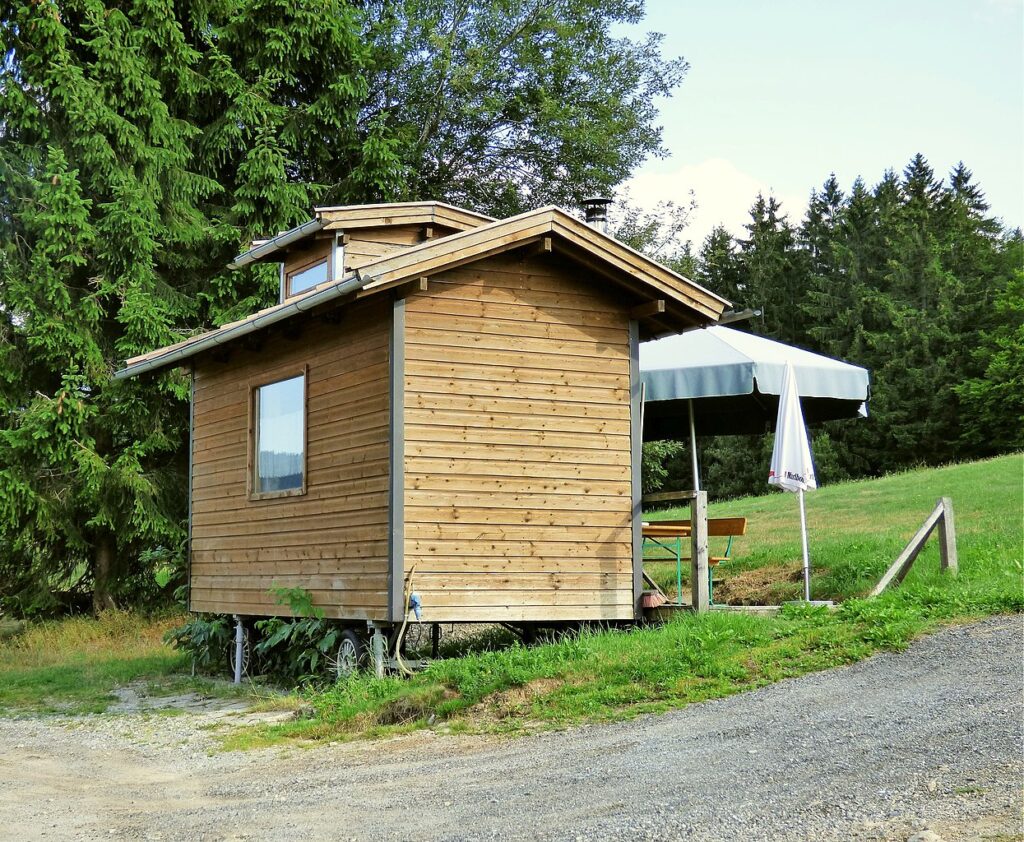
578	240
176	354
683	304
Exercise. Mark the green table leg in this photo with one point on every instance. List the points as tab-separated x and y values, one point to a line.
679	571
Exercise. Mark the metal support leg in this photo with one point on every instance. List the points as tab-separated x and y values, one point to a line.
435	640
803	545
700	598
239	648
679	571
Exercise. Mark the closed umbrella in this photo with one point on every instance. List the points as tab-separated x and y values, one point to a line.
792	468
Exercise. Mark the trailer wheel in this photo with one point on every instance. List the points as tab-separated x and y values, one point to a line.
351	654
247	654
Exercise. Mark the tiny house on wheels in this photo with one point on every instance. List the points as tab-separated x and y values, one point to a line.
443	408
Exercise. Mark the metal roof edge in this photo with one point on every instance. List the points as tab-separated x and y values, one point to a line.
275	243
205	342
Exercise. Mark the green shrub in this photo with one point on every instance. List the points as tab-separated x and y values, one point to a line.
205	638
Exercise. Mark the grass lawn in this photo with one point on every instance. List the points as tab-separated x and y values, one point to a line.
856	530
73	665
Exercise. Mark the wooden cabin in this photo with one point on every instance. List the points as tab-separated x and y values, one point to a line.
440	403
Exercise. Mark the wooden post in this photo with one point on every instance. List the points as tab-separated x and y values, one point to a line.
378	652
947	538
902	564
700	598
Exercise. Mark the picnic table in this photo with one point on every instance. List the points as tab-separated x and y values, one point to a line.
668	535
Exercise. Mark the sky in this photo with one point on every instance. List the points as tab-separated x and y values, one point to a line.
780	94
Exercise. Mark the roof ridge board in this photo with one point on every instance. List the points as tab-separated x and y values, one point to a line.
647	260
403	205
412	256
392	268
271	245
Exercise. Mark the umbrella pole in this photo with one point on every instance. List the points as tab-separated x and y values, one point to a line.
807	558
693	450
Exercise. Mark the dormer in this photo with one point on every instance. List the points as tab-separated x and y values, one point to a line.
339	240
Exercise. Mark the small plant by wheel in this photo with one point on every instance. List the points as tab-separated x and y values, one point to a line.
351	654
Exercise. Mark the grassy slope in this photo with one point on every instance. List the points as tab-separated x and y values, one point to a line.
856	528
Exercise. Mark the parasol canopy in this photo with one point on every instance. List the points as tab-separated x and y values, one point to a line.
735	379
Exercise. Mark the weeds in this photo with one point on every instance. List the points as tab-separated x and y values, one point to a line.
71	665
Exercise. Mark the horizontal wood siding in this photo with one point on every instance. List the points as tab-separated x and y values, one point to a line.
365	245
518	491
332	540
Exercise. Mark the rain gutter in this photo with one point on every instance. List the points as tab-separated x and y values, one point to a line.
275	243
219	337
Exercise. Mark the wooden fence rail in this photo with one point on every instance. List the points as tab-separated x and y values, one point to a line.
942	517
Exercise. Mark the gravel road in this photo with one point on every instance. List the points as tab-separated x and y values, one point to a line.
927	743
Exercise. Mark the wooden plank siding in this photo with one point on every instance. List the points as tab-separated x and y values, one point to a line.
518	472
365	245
332	540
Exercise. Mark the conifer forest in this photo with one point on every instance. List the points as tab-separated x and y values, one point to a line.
143	145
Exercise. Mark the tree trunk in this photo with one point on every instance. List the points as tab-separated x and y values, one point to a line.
104	572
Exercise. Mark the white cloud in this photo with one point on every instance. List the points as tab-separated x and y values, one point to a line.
723	192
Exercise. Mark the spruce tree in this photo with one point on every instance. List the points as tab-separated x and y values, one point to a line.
775	274
141	147
992	403
719	268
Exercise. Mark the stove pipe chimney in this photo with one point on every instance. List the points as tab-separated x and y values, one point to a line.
595	211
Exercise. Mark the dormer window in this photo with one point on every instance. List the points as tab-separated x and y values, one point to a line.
306	277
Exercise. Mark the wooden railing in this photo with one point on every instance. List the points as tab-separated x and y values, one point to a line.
941	517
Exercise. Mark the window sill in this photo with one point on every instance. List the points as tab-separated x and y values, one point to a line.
276	495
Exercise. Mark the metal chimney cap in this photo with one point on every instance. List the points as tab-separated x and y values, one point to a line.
595	211
596	203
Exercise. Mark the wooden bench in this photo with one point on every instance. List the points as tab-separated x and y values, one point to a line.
718	527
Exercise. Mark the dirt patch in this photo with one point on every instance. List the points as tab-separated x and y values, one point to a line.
414	706
136	698
769	585
518	700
